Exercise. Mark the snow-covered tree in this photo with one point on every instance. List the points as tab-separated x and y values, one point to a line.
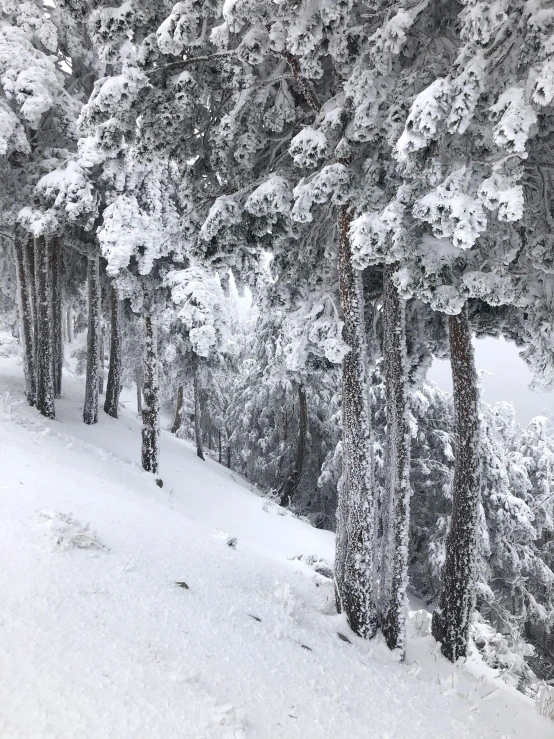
39	104
201	307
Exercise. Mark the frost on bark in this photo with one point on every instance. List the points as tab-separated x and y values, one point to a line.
90	410
289	486
25	318
178	411
44	340
451	619
32	283
113	387
101	360
57	315
138	382
356	508
197	409
151	392
396	507
69	325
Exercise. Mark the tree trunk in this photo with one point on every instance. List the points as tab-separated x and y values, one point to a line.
57	323
197	429
396	511
44	342
289	486
229	456
101	360
451	619
32	282
219	457
139	396
178	411
113	387
26	319
356	506
90	410
69	322
151	390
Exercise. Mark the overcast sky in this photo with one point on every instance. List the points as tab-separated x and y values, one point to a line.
509	379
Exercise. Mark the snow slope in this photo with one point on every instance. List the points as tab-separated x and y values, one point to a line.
100	642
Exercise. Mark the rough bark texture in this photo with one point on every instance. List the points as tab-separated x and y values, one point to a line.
396	511
356	508
31	280
151	407
113	387
302	81
101	360
44	341
69	325
25	319
451	619
289	486
90	410
178	411
57	316
197	410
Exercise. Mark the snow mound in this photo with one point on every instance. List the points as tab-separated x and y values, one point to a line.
68	532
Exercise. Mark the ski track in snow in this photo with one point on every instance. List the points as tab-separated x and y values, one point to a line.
101	643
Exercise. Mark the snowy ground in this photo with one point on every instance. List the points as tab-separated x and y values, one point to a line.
101	642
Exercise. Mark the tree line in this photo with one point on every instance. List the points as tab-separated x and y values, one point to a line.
378	176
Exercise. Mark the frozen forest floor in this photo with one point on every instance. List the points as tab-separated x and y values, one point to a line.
98	641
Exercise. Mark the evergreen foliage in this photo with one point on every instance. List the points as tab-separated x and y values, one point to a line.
375	178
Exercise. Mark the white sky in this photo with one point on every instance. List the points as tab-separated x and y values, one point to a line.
509	379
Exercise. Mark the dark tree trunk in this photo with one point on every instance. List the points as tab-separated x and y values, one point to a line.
451	619
32	283
356	507
101	361
178	411
138	382
197	411
219	446
229	456
44	341
57	316
69	325
113	387
151	408
289	486
25	318
90	410
396	510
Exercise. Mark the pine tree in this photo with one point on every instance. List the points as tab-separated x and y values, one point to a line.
290	484
45	343
57	315
451	619
90	409
39	104
113	387
151	393
25	316
197	406
394	569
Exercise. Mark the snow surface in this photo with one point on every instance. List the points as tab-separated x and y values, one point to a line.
99	641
